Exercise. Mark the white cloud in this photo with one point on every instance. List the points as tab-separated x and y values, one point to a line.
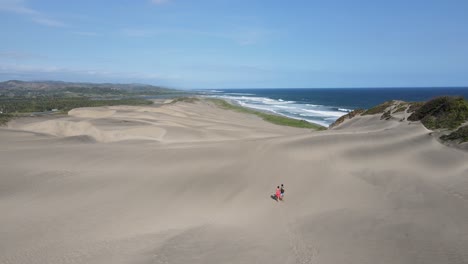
24	71
16	6
242	37
131	32
248	36
159	2
15	55
48	22
86	33
20	7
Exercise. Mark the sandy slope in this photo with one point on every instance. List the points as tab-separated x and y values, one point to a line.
190	183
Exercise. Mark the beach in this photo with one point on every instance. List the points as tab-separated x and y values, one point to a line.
192	183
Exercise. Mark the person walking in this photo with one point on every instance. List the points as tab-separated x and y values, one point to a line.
278	193
282	192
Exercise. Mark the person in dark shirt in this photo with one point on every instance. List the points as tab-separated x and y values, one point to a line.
282	192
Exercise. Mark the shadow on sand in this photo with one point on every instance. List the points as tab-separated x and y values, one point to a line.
274	197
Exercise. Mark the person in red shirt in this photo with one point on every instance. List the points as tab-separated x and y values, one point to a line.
278	193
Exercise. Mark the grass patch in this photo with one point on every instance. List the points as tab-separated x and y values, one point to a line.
275	119
4	118
460	135
442	112
185	100
347	116
379	109
401	108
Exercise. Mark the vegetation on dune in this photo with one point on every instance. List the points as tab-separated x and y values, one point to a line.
4	118
387	115
401	108
445	112
414	106
460	135
442	112
396	108
379	108
347	116
61	104
275	119
185	99
286	121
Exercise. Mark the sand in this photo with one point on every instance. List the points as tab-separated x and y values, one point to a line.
191	183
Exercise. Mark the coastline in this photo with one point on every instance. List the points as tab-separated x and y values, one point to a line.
324	106
267	115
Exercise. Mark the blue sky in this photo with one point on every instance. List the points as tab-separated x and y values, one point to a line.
237	43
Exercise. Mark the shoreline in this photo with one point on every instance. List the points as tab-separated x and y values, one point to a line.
259	112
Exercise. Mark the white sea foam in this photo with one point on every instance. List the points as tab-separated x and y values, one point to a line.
239	94
323	113
286	107
319	114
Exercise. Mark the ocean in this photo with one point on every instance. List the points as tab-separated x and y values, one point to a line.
324	106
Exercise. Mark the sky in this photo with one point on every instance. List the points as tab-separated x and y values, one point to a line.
237	43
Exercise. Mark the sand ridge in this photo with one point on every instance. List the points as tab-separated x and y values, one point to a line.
167	123
370	191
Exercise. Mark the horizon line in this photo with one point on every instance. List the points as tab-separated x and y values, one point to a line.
237	88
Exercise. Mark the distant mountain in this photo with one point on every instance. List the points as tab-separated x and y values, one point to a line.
15	85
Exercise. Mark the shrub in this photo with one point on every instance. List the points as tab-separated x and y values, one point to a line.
386	115
379	108
442	112
347	116
4	118
460	135
401	108
414	106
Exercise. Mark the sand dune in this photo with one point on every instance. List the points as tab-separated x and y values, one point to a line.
191	183
171	123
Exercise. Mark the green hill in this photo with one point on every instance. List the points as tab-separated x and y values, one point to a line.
15	88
